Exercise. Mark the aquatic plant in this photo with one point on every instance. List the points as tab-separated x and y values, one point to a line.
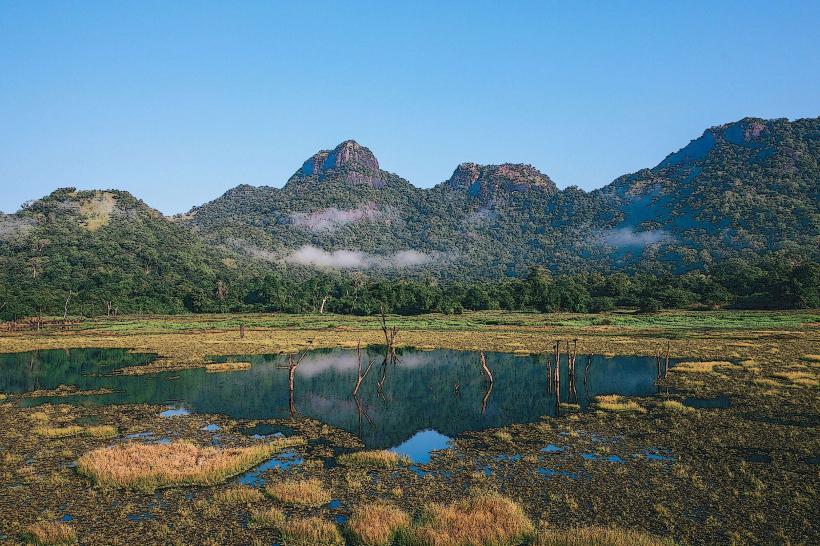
58	432
50	534
376	524
700	367
147	467
310	531
674	405
373	459
480	520
309	492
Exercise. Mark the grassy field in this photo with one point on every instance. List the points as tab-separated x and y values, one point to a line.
745	474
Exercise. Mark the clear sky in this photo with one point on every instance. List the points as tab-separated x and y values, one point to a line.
179	101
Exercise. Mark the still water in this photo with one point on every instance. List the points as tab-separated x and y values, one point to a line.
441	390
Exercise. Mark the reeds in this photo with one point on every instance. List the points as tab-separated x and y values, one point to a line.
268	518
227	367
597	536
241	494
373	459
301	492
614	402
700	367
69	431
50	534
147	467
482	520
376	524
310	531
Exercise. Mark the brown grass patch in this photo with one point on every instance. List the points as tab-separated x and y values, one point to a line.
269	518
615	402
797	377
227	367
373	459
311	531
59	432
674	405
241	494
811	358
50	534
700	367
484	520
376	524
597	536
101	431
147	467
302	492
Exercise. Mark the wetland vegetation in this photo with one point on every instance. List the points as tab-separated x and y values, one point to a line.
114	431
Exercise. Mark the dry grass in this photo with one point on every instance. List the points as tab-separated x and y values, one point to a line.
597	536
797	377
614	402
227	367
100	431
147	467
311	531
241	494
269	518
50	534
700	367
59	432
811	358
376	524
373	459
674	405
483	520
301	492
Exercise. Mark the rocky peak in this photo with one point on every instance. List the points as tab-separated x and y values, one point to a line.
348	154
507	176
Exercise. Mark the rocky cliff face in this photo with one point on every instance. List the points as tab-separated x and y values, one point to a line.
349	159
510	177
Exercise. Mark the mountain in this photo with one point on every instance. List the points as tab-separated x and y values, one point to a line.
109	246
743	187
738	191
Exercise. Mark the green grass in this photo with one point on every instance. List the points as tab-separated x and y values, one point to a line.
667	320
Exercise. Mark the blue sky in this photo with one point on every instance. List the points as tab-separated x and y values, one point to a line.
179	101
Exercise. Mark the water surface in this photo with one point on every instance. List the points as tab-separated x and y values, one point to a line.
414	404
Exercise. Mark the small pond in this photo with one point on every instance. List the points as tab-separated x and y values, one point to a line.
440	391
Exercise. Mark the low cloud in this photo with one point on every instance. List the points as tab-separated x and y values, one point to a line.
627	237
355	259
332	218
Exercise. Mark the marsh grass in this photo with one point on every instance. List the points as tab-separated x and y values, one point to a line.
58	432
241	494
597	536
674	405
99	431
481	520
227	367
700	367
310	531
50	534
377	524
614	402
310	492
373	459
797	377
147	467
268	518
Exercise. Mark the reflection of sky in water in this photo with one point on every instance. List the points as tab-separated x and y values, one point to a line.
420	446
442	391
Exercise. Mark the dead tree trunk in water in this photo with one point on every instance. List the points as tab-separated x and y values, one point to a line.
292	365
322	307
241	330
65	306
557	378
666	366
390	335
360	375
486	369
486	397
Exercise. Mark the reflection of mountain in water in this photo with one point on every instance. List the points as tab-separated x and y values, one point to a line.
440	390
